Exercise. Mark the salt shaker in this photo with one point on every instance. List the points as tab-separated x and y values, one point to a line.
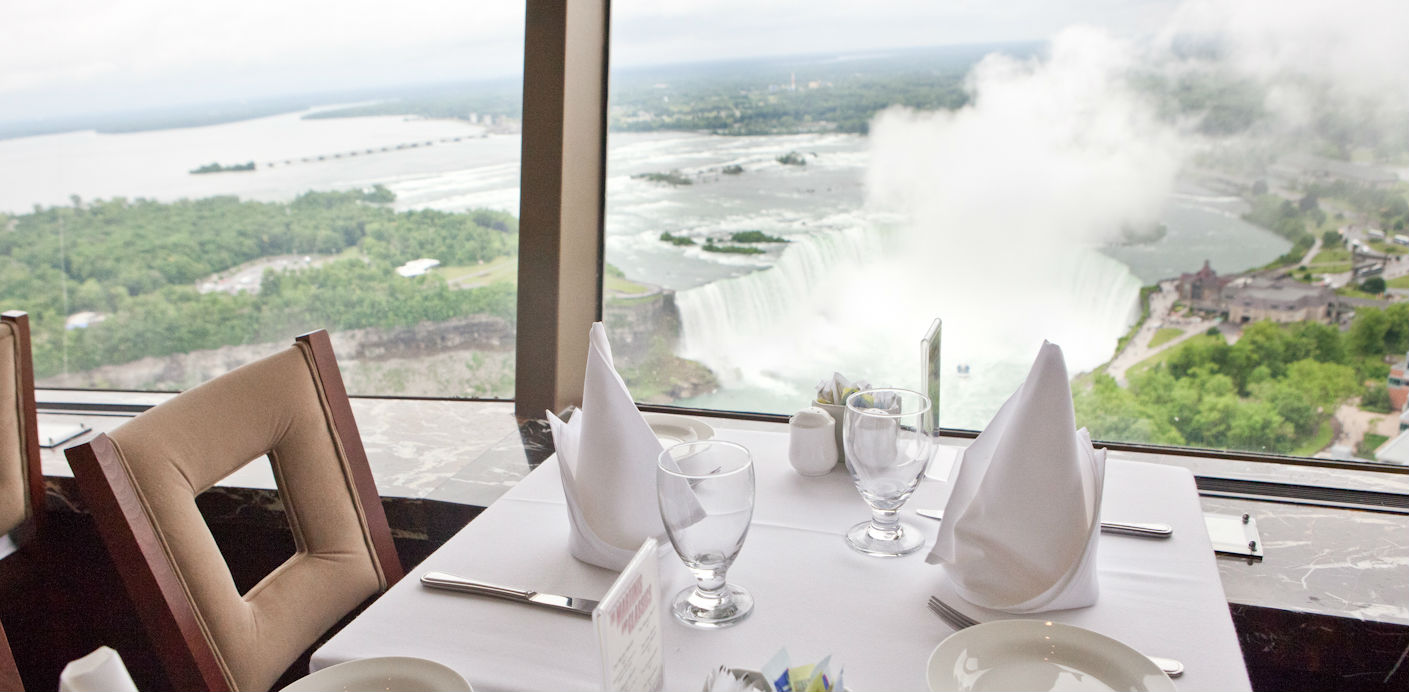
812	446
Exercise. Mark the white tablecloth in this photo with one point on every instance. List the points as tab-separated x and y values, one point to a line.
814	594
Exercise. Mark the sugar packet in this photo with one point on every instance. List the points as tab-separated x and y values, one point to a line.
838	388
810	677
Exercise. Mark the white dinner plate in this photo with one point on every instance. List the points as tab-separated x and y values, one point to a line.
673	430
386	673
1041	656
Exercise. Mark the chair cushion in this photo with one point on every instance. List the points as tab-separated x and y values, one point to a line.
14	481
182	447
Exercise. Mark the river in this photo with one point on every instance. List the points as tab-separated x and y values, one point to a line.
838	297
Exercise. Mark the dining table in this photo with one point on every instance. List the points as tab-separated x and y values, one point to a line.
814	595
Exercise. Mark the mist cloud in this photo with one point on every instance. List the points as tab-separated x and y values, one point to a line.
1053	151
1358	47
1003	204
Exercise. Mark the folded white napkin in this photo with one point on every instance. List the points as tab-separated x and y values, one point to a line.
607	456
1023	519
100	671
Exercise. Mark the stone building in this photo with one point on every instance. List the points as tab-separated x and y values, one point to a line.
1279	300
1203	290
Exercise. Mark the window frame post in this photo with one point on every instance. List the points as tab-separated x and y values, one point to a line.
561	198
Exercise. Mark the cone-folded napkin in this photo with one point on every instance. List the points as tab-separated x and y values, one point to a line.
607	457
100	671
1022	523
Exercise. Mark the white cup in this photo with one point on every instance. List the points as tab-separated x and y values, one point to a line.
812	446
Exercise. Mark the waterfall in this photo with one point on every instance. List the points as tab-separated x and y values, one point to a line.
855	301
723	322
999	209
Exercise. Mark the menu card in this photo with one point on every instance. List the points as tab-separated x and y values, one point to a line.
628	626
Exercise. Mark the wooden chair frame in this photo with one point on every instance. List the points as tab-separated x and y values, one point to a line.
149	576
9	672
34	471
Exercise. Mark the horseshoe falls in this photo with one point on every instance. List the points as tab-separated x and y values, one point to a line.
840	302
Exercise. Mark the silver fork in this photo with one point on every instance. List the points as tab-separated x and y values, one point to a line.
959	621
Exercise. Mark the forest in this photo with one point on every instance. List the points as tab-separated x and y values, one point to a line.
1274	390
138	262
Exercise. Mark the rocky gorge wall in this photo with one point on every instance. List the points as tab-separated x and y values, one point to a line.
464	357
645	332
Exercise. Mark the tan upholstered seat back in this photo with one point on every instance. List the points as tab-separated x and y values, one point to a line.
14	473
179	449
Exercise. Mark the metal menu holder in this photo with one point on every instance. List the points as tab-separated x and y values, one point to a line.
929	364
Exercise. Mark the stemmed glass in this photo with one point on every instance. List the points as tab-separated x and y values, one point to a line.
706	492
888	434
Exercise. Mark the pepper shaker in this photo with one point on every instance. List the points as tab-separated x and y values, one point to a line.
812	446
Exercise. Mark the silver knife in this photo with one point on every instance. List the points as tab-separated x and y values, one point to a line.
1121	527
450	582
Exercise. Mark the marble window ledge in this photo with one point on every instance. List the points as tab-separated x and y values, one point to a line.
1341	564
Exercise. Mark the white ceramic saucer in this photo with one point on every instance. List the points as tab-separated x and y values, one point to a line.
1039	655
673	430
387	674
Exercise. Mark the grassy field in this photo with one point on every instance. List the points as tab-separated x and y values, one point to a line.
1367	446
1164	336
506	269
1388	248
1401	282
1084	380
1323	437
1349	292
618	285
501	269
1333	260
1331	255
1163	356
1328	268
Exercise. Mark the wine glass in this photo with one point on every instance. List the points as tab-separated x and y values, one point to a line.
888	436
706	492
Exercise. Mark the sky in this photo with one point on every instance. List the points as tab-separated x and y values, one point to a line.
68	57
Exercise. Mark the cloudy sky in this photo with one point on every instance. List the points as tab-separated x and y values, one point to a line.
65	57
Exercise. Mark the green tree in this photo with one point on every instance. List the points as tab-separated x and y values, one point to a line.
1397	328
1367	332
1291	405
1376	398
1318	341
1256	426
1323	384
1111	412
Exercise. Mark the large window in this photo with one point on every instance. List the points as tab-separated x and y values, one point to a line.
1203	204
187	186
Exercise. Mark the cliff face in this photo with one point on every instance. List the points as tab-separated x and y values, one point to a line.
468	356
645	331
478	332
643	325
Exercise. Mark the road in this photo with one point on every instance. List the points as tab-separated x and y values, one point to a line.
1138	348
246	277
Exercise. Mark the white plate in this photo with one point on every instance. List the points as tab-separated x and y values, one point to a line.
1039	655
387	673
673	430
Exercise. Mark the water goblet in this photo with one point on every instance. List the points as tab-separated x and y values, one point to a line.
706	490
888	437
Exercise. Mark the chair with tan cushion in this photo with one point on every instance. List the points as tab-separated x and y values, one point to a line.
140	482
21	480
